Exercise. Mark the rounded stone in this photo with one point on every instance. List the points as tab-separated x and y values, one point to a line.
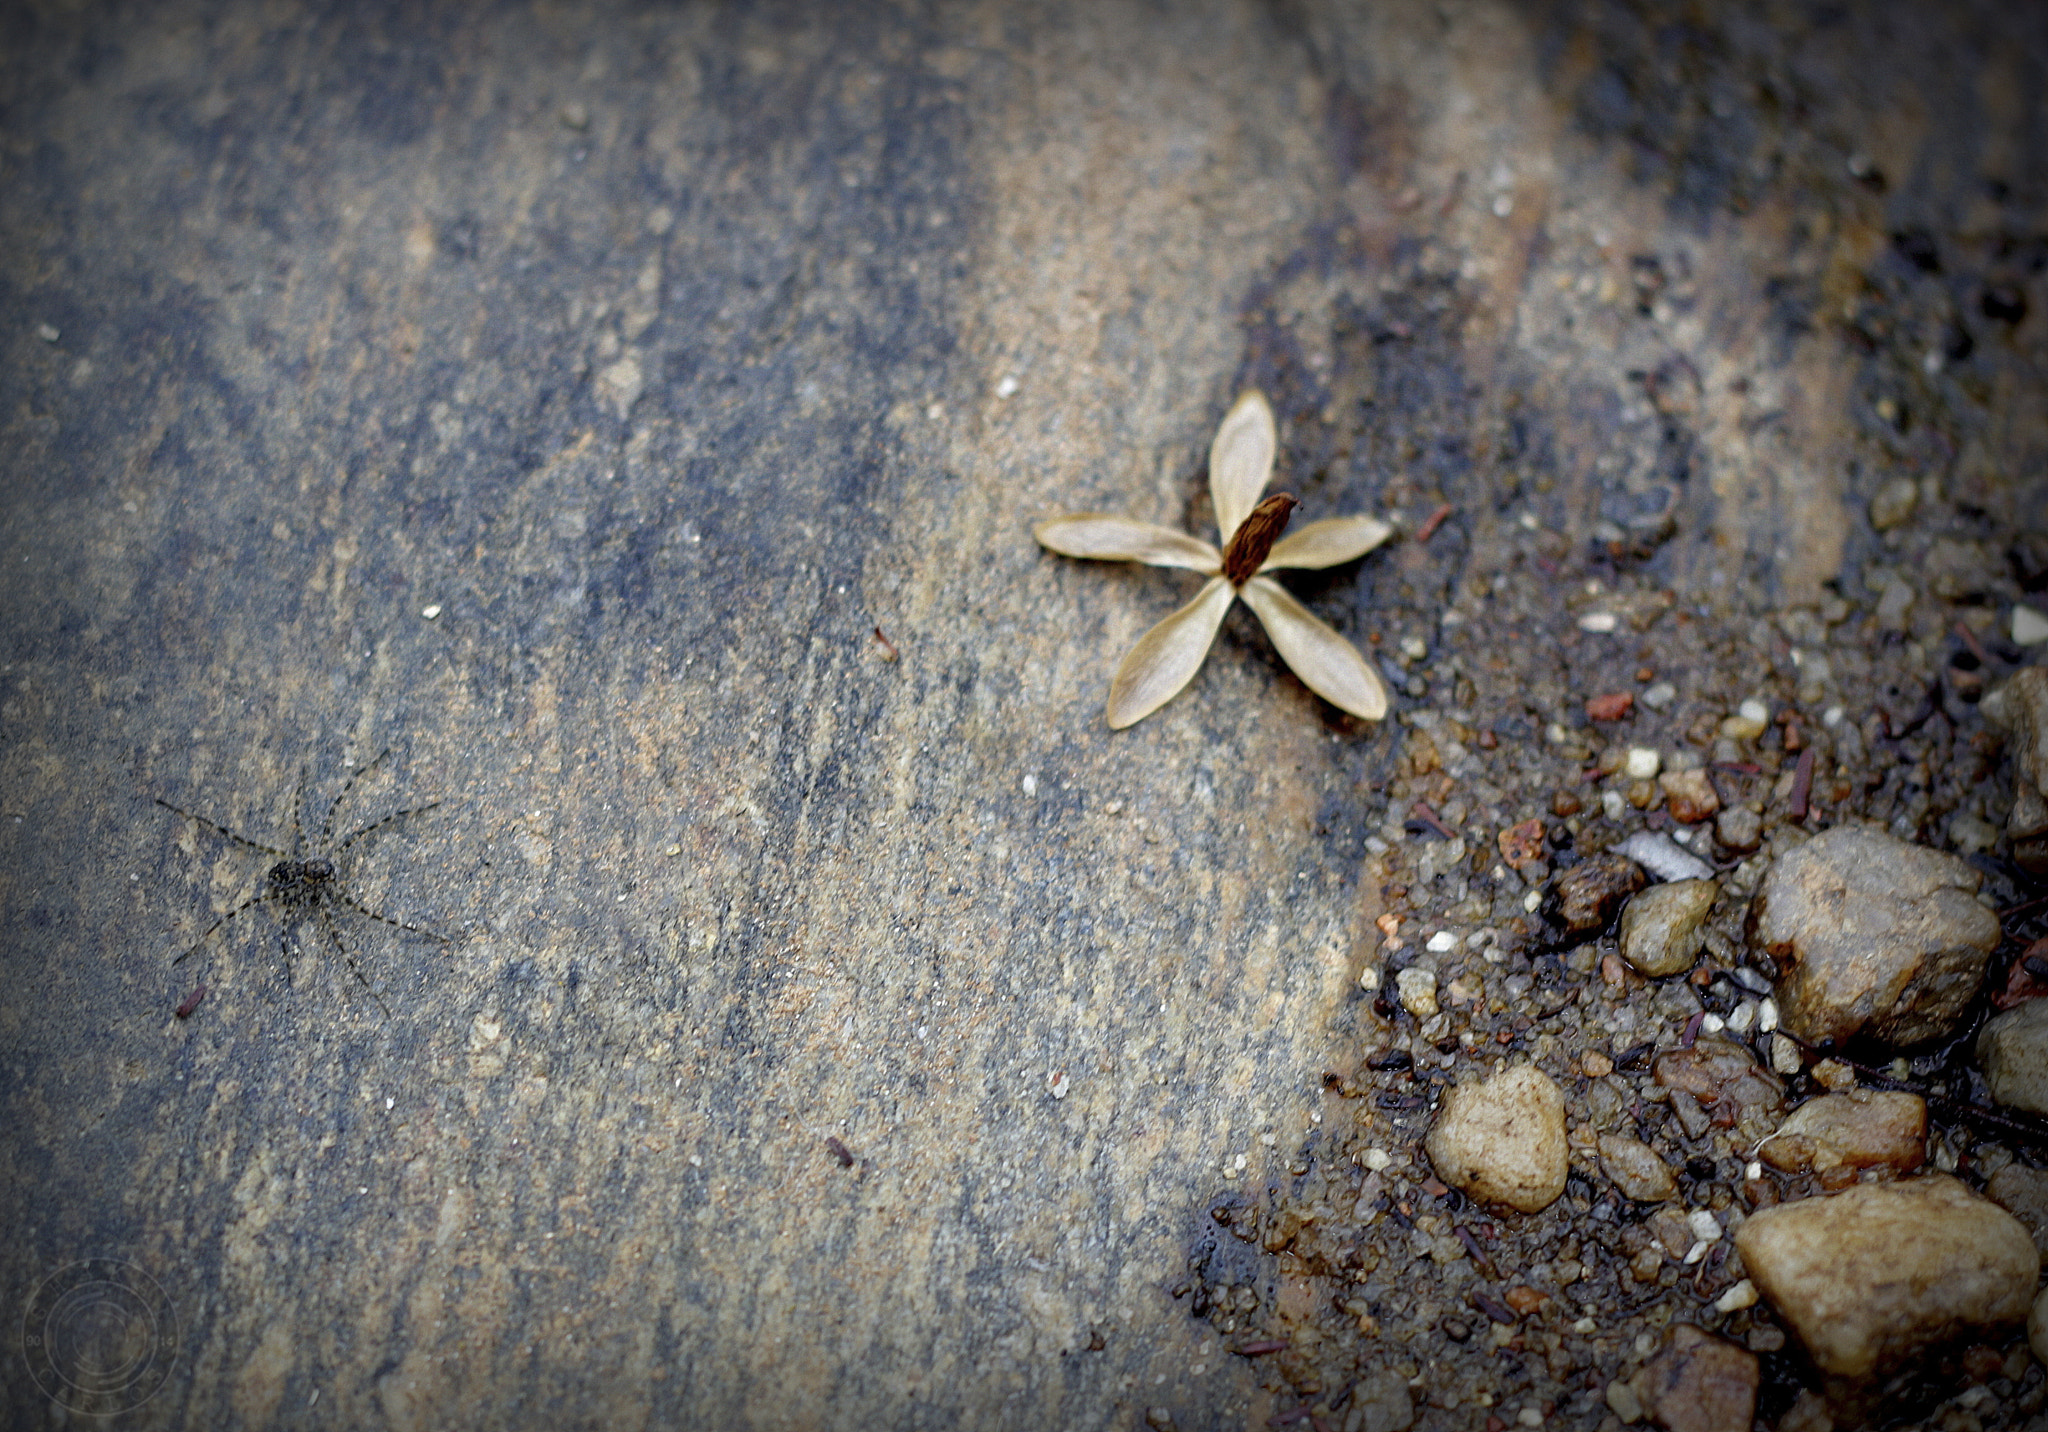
1661	926
2013	1050
1875	934
1502	1140
1418	991
1859	1128
1869	1277
1636	1169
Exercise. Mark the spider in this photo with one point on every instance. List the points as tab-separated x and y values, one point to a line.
307	886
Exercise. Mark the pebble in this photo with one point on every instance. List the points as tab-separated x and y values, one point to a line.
2023	1192
1418	991
2037	1327
1658	697
1610	706
1584	898
1661	929
1502	1140
1663	857
1690	795
1870	1276
1862	1128
1698	1383
1641	764
2012	1049
1874	934
1382	1403
1636	1169
1739	828
1717	1072
2019	709
2029	627
1751	719
1893	504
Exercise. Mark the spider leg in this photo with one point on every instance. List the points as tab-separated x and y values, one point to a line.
327	829
334	936
361	909
193	948
374	826
219	829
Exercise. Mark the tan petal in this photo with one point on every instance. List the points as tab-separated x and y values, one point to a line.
1326	663
1241	459
1120	539
1167	657
1326	543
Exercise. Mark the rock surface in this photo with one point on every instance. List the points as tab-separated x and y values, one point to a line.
1660	927
2019	707
1502	1139
1699	1383
1874	934
1870	1276
2012	1048
1857	1129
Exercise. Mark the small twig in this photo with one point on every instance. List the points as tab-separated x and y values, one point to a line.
1429	525
1802	785
1260	1349
889	652
1421	811
1970	640
190	1003
1478	1254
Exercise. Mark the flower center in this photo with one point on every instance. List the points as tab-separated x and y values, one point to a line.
1255	537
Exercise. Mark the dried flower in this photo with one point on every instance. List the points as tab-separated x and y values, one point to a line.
1167	657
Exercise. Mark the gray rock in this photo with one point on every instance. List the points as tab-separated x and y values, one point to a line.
1502	1140
1382	1403
2019	708
1636	1168
1739	828
1871	1276
1660	927
2013	1049
2023	1192
1873	933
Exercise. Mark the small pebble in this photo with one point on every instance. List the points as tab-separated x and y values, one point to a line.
1751	719
48	332
1642	764
1418	991
1860	1128
2029	627
1690	795
1636	1168
1661	928
1894	503
1442	942
1503	1140
1613	706
2012	1049
1660	696
431	613
1738	828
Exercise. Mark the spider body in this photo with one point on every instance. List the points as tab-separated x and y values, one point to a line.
306	887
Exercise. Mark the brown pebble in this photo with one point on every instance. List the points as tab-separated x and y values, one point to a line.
1584	899
1862	1128
1522	845
1690	795
1700	1383
1595	1064
1610	706
1524	1299
1564	803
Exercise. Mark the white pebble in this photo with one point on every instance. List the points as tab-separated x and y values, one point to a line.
1767	1014
1704	1225
1598	622
1369	978
2029	627
1442	942
1377	1159
1418	991
1742	1295
1006	386
431	612
1030	784
1713	1023
1414	648
1642	764
1613	804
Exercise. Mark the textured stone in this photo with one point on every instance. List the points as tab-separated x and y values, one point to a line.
2012	1048
1636	1168
1584	898
1690	795
1874	935
1661	927
2023	1192
1699	1383
1738	828
1860	1128
1502	1140
2019	708
1873	1275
